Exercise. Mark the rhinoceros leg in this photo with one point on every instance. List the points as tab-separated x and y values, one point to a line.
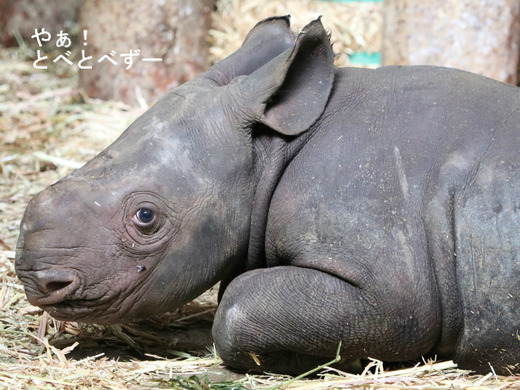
291	319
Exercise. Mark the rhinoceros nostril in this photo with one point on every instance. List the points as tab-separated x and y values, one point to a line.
56	286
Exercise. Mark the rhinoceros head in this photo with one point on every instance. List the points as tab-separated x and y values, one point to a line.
164	212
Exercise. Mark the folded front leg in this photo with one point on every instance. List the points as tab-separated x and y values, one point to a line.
290	319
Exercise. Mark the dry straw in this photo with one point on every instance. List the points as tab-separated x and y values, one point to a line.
48	128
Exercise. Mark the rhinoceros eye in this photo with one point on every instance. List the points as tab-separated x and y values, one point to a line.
145	215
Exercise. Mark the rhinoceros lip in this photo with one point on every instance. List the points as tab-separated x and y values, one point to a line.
68	310
76	312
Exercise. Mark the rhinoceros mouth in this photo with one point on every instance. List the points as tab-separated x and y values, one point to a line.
78	311
71	310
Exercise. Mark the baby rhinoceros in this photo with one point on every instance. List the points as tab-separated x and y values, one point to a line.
376	208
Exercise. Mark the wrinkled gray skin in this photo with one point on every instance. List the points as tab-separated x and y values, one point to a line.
378	208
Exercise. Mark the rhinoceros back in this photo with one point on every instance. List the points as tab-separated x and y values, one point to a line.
414	171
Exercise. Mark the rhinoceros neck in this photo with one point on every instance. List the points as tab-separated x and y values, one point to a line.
273	154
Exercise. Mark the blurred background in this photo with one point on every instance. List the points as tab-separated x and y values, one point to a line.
481	36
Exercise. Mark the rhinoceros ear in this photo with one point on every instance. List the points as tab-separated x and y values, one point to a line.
290	92
265	41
